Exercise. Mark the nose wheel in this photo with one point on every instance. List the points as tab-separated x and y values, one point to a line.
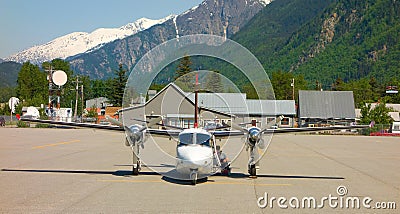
193	177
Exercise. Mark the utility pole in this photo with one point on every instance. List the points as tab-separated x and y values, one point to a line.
292	84
196	108
76	97
50	80
82	102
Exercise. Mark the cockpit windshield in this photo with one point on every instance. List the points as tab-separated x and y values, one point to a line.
194	138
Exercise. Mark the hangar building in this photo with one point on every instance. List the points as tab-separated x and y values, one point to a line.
177	108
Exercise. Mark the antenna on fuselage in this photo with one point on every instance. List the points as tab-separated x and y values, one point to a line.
196	108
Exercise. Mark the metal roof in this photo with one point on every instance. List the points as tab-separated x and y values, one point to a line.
326	104
236	103
271	107
231	103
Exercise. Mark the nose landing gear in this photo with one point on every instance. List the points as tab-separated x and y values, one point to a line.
193	176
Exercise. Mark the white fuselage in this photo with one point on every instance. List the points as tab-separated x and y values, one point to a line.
194	157
194	153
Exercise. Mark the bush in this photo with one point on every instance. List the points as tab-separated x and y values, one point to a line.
22	124
41	125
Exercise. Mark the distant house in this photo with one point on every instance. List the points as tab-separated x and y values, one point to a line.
326	107
99	102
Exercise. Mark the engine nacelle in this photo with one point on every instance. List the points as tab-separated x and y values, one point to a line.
134	135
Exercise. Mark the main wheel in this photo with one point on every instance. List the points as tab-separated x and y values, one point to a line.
135	170
252	170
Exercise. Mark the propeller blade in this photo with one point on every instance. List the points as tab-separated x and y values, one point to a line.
237	127
169	126
261	144
114	121
273	122
154	121
151	122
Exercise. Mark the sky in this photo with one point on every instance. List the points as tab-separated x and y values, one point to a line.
25	23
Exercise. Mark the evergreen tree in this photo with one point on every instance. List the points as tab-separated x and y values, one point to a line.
183	67
183	74
338	85
99	88
250	91
118	83
282	84
32	86
213	82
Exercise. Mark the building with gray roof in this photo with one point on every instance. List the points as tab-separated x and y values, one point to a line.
177	108
326	106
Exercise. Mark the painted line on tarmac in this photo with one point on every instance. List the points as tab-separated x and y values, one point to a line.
132	181
208	182
246	183
55	144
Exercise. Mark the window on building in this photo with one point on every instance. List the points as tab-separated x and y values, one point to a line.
285	121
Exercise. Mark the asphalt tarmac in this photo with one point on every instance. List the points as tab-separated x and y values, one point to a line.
88	171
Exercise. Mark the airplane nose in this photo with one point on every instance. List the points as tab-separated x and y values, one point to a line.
194	164
194	156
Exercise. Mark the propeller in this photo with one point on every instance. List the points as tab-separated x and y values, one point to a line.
254	138
135	133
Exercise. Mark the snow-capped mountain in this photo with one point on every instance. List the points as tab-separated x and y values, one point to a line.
80	42
265	2
216	17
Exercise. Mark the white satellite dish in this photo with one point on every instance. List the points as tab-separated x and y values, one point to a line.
59	77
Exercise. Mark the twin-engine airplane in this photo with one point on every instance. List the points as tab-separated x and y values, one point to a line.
196	151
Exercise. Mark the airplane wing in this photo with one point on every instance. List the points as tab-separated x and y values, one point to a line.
288	130
164	133
312	129
172	133
72	124
226	133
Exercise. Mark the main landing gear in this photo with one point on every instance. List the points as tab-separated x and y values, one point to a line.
252	171
135	164
135	170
